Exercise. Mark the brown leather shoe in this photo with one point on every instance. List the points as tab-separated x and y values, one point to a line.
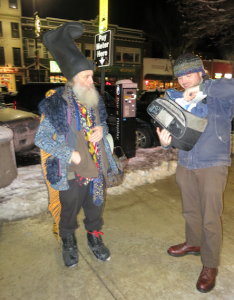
183	249
206	280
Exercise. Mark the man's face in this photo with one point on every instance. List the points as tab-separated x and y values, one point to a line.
190	80
84	89
85	78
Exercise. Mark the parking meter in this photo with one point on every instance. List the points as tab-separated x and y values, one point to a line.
126	117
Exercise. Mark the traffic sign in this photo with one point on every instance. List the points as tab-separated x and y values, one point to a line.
104	49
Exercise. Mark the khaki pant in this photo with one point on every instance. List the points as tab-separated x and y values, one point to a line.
202	204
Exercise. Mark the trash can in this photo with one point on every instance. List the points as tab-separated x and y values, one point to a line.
232	143
8	169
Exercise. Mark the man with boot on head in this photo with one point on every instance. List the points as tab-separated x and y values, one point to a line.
202	172
75	154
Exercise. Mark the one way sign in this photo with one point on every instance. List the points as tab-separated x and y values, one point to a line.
103	49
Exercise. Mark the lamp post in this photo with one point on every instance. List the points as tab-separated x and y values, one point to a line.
37	34
103	25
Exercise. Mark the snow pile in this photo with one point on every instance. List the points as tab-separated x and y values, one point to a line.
27	194
147	166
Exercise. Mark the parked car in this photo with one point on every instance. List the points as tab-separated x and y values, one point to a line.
30	95
6	96
146	133
150	95
23	124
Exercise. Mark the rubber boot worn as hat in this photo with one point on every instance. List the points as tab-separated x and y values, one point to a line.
60	43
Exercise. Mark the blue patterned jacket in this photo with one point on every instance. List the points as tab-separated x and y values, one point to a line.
55	121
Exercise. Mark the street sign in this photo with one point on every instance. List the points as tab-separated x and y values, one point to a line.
103	49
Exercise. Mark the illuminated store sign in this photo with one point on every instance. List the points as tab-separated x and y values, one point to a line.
54	68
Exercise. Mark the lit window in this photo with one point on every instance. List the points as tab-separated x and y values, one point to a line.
228	75
13	4
218	75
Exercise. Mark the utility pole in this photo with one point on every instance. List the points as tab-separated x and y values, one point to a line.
103	26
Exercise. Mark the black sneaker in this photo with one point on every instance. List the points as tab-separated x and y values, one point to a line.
95	243
70	251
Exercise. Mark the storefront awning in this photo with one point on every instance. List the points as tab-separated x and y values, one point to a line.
157	77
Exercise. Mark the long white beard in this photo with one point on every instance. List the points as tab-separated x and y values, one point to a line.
86	96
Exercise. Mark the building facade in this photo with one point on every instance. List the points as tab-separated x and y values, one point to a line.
218	68
11	54
157	72
128	49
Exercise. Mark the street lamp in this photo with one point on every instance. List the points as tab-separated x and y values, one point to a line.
37	31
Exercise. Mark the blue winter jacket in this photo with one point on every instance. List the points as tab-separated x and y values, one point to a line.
213	147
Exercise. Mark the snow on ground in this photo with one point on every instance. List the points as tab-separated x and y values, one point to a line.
27	194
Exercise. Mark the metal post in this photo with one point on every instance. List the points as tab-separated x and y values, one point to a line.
36	50
37	61
102	80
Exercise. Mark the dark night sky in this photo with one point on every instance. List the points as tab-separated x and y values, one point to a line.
125	13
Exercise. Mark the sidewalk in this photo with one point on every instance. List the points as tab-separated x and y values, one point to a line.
139	226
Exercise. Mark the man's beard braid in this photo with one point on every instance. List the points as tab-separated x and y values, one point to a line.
86	96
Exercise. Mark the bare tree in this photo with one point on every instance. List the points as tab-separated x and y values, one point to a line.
208	18
163	24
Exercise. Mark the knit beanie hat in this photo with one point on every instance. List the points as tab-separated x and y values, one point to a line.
188	63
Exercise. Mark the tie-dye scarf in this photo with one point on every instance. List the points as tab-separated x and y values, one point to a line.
86	120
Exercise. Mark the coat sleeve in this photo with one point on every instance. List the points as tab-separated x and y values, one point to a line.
102	109
220	88
103	116
44	140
